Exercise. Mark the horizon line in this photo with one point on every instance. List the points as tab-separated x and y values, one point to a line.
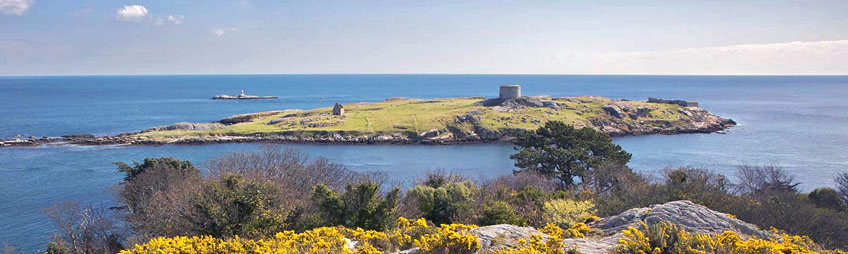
433	74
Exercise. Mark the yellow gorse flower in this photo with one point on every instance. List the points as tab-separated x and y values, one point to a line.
667	237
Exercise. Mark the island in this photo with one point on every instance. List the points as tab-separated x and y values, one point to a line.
242	96
426	121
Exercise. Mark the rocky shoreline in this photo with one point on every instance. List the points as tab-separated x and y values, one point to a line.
619	119
447	136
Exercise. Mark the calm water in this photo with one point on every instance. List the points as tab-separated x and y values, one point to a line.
800	123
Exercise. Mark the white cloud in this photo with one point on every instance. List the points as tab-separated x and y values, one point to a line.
224	30
175	19
82	12
808	57
131	13
178	19
15	7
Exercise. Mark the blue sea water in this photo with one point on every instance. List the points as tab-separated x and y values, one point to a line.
797	122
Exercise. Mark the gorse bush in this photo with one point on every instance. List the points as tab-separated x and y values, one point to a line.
566	212
448	238
665	237
444	239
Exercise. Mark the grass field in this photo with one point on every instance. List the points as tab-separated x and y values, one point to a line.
417	115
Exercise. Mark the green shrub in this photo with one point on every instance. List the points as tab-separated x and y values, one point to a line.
359	207
566	212
499	212
826	198
234	205
440	204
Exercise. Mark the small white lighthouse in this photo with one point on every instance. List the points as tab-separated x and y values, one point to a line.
242	93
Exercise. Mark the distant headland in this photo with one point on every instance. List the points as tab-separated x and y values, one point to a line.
425	121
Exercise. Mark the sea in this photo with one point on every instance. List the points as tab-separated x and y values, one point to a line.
799	123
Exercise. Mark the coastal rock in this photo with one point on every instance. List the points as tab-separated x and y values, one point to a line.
643	111
187	126
502	235
430	134
508	105
78	136
592	245
613	110
551	104
242	118
409	251
691	217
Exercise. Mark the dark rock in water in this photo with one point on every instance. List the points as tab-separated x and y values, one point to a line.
78	136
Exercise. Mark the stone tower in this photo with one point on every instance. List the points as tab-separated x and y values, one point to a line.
510	92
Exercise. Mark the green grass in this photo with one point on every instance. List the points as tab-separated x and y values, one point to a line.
415	115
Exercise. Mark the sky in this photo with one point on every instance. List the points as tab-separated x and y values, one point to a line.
681	37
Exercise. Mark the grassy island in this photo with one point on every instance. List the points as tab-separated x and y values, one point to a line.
450	120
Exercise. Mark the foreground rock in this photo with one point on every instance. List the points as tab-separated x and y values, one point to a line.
689	216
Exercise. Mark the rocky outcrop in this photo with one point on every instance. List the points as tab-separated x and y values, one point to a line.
509	105
613	110
503	235
243	118
187	126
691	217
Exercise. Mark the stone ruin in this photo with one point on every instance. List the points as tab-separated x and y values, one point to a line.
338	110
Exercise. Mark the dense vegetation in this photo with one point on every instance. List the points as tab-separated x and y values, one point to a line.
279	200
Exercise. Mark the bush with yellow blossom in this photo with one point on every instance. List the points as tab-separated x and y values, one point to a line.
567	212
449	239
665	237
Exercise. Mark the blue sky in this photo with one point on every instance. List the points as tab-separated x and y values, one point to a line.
55	37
